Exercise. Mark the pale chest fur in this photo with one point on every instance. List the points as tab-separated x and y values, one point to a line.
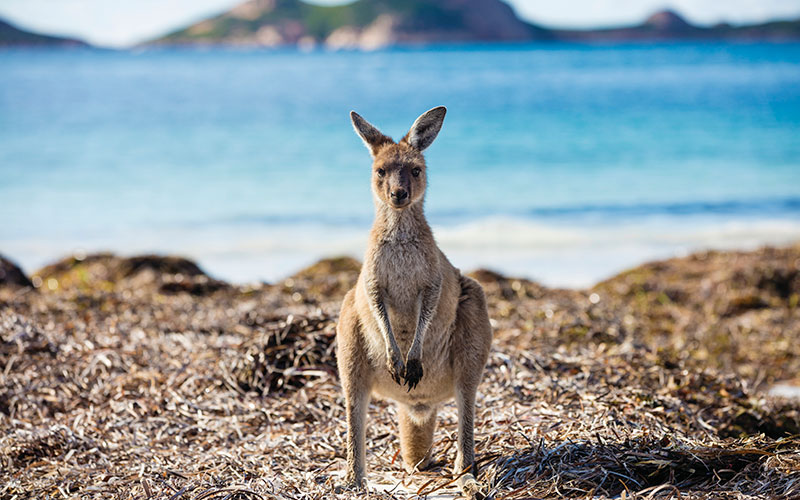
403	269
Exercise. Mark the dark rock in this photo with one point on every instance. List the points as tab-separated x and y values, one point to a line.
161	265
509	288
105	271
201	285
12	275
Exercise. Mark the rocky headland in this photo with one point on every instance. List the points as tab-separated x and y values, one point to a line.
371	24
13	36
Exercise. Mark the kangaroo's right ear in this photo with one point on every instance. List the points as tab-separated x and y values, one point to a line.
372	137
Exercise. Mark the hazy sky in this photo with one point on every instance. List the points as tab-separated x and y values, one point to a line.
124	22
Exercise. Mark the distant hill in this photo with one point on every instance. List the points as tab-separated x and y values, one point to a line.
363	23
669	25
377	23
10	35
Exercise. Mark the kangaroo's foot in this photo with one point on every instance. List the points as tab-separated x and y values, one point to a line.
351	483
471	488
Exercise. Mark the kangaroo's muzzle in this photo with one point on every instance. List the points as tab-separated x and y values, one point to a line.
399	197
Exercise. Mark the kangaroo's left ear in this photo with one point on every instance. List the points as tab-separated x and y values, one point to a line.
426	128
372	137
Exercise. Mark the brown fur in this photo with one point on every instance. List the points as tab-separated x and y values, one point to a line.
409	299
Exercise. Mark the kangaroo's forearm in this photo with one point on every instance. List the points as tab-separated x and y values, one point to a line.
378	308
429	299
386	327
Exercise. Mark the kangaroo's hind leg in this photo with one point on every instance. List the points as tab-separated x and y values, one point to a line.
356	378
471	343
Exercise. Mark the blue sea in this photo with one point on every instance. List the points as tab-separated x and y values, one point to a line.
561	163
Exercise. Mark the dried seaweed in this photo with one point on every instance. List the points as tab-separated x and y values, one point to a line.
117	381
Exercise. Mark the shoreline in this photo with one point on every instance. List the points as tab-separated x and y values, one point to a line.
574	256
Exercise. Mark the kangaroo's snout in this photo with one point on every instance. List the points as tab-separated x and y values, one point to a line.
399	195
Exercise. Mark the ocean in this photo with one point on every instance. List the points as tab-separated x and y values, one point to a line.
561	163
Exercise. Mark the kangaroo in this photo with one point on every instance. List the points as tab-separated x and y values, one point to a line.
410	299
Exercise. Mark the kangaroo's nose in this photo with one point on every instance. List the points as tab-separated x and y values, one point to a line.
399	194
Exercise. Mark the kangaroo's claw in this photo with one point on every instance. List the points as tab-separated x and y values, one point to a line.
396	368
413	373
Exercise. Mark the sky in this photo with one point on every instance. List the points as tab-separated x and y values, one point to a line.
120	23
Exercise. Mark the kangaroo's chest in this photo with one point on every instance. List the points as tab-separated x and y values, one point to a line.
403	271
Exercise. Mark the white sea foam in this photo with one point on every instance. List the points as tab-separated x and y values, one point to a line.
559	254
581	254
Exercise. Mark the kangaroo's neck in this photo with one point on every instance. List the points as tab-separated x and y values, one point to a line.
400	226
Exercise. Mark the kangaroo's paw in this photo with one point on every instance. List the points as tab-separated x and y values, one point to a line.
413	373
396	367
471	488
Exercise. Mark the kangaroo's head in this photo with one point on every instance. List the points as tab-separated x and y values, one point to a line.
398	169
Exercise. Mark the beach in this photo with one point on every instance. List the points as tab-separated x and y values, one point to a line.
143	377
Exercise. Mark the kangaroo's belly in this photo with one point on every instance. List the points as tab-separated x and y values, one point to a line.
437	383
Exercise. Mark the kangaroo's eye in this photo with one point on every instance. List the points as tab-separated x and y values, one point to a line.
416	172
381	172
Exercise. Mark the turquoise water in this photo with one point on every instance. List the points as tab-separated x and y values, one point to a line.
563	163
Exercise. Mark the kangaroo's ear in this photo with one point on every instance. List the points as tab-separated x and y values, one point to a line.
372	137
426	128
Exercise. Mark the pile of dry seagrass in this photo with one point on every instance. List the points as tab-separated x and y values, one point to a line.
143	378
